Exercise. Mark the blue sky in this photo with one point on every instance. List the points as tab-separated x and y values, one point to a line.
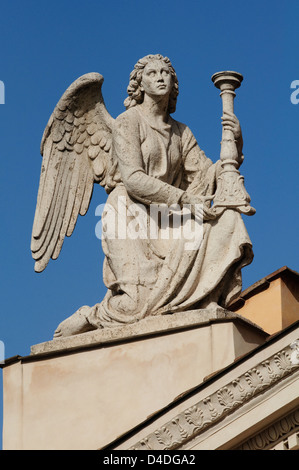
45	46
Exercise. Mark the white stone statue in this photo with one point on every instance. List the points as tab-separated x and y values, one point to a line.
144	159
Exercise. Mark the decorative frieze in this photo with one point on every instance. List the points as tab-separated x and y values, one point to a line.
279	435
200	416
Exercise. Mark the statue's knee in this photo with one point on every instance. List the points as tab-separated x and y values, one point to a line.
124	303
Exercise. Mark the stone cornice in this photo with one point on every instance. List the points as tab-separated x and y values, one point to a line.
149	326
208	411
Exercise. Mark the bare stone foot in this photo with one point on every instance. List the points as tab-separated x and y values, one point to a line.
74	325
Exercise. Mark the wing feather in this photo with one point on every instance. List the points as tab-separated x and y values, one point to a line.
69	208
55	210
88	189
70	149
45	217
56	224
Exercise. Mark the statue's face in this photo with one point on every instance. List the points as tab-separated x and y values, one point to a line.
156	78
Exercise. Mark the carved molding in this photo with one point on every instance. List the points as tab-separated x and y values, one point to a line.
208	411
283	432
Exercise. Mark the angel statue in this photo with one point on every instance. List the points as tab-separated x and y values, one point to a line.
142	157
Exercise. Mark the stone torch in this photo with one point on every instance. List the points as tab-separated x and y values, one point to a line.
230	192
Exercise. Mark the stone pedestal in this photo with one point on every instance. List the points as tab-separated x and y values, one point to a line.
85	391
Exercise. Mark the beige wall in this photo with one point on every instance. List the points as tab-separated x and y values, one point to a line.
275	308
290	303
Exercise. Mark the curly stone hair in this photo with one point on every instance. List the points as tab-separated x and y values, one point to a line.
134	91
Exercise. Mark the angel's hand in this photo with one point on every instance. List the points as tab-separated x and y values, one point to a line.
231	122
198	206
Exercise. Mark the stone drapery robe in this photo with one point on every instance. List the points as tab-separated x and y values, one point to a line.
156	276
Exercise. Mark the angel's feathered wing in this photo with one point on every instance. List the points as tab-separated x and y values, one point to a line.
76	154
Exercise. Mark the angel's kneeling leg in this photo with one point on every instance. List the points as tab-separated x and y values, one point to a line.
123	307
127	301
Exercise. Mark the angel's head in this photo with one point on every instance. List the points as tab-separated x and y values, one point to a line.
135	90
